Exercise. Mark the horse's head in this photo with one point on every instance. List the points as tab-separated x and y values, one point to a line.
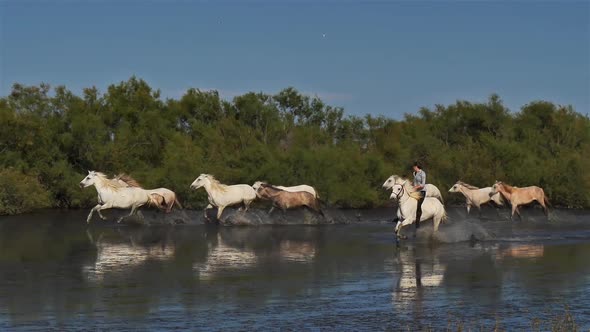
89	180
397	191
257	185
263	189
495	188
455	187
200	181
390	182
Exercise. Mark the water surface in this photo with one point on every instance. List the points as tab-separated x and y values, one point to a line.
58	273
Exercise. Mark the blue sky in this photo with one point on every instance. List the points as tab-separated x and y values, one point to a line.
379	57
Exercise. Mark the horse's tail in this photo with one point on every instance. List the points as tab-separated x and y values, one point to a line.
440	198
445	217
435	193
546	200
547	204
178	203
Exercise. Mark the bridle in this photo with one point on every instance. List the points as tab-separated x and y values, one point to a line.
401	193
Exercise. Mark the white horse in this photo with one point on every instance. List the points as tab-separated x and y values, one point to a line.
476	196
302	187
406	212
162	198
221	195
113	194
431	190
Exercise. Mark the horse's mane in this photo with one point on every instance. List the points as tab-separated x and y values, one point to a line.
508	187
112	184
216	184
131	182
101	175
466	185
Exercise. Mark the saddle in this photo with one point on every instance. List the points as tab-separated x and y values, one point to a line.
415	195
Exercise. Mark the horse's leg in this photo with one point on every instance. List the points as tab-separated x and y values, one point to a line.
436	221
133	211
91	212
209	206
518	212
542	202
247	205
515	210
468	208
397	227
103	207
169	206
406	222
271	209
479	210
219	212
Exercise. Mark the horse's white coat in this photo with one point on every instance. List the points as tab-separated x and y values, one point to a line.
476	197
221	195
406	212
112	194
431	190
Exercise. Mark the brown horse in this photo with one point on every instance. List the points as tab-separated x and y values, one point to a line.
288	200
520	196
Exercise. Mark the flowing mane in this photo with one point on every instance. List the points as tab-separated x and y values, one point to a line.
131	182
466	185
506	187
112	184
215	184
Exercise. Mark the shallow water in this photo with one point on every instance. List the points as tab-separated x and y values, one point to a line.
58	273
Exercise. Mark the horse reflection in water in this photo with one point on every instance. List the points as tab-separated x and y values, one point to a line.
413	275
522	251
222	257
118	251
235	250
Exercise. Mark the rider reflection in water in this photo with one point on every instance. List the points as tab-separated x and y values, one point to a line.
419	186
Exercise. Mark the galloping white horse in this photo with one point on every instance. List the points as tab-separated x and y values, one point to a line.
221	195
476	196
431	190
112	194
162	198
406	212
302	187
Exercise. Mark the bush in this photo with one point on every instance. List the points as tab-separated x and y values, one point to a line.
21	193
